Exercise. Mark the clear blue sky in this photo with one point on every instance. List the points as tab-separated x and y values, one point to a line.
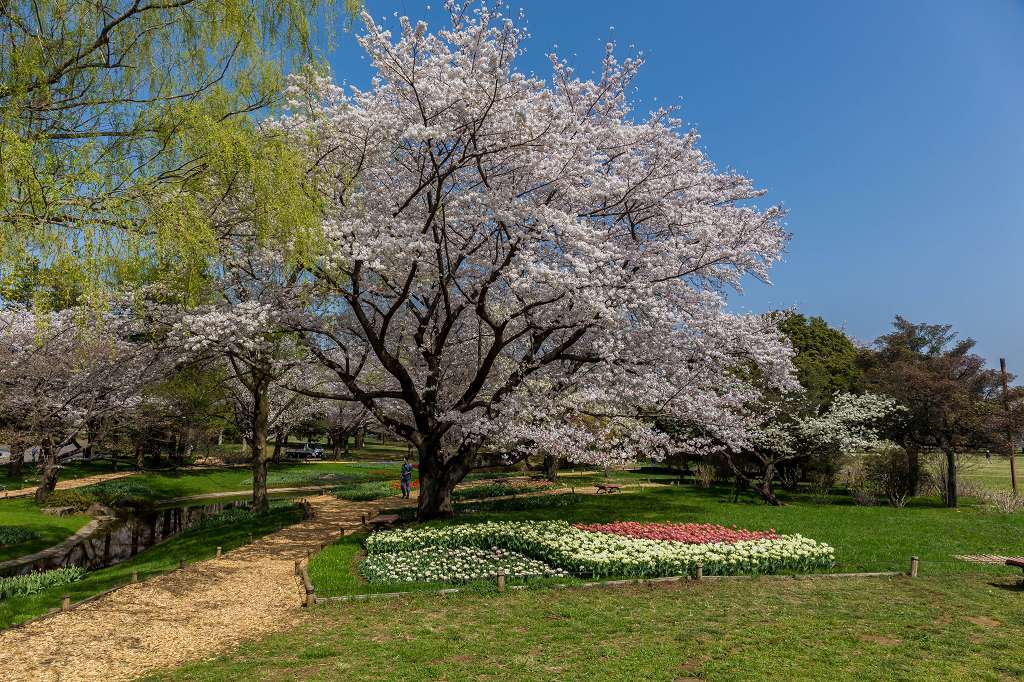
892	130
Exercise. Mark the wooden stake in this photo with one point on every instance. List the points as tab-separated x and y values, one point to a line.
135	576
700	571
501	580
218	551
913	566
65	604
1009	435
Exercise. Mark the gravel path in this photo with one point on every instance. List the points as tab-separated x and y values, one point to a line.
182	616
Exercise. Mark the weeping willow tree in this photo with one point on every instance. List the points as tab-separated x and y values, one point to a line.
123	125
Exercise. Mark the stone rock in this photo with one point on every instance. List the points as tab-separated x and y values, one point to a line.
58	511
97	509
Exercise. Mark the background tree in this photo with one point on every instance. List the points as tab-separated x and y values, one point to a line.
120	120
825	359
951	398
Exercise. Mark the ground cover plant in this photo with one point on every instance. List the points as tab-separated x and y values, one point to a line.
370	490
13	535
500	488
23	514
31	583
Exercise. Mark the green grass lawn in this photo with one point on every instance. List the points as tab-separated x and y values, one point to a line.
866	539
937	628
192	545
23	513
994	475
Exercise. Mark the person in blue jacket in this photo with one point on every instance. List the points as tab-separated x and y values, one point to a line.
406	478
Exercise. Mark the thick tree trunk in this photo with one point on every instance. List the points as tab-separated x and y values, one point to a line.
360	438
913	470
951	491
551	467
438	479
764	488
16	463
50	470
278	442
260	416
140	458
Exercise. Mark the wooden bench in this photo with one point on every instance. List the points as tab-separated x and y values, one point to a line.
382	521
608	488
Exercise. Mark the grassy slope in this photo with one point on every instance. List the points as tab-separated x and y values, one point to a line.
892	629
194	545
52	529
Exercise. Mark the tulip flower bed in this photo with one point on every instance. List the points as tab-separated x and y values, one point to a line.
692	533
452	565
586	553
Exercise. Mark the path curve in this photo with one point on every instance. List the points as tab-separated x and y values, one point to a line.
70	483
182	616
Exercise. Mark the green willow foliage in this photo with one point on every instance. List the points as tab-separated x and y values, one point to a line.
126	127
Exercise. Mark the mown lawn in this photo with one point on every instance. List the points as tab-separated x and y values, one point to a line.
936	628
23	513
192	545
866	539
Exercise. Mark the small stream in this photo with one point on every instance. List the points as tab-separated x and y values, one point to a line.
126	535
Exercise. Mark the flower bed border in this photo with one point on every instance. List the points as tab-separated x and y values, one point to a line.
651	582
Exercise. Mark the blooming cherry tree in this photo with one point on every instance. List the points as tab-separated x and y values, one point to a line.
515	264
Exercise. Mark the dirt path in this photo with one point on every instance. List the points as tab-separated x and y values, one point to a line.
182	616
70	483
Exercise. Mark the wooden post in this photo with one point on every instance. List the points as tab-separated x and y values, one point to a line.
364	519
65	604
310	597
1009	431
501	580
218	551
181	564
913	566
250	538
135	576
700	571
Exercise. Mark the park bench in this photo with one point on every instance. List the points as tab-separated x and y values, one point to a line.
382	521
608	488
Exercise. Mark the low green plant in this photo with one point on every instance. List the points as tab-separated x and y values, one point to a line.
12	535
110	493
363	492
37	582
483	491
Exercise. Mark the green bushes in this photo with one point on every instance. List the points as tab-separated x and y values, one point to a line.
12	535
110	493
237	516
37	582
364	492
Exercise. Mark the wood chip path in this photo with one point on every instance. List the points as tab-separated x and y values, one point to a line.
182	616
70	483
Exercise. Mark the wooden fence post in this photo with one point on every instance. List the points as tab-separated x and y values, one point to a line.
218	551
501	580
700	571
135	576
65	604
913	566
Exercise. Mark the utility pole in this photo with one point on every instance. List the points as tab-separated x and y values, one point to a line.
1009	430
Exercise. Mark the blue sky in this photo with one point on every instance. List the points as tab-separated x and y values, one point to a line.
893	131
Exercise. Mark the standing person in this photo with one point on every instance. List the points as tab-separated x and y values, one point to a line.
406	479
988	454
